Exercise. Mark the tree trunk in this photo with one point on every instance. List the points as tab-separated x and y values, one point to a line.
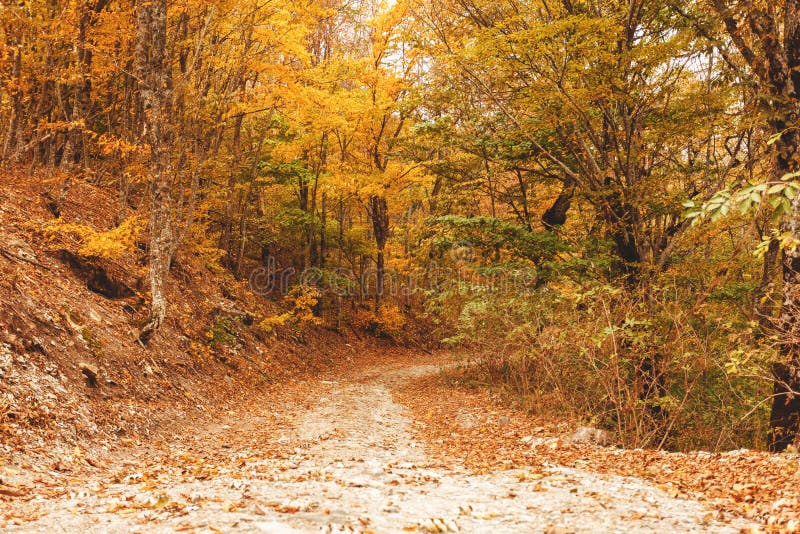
785	415
76	148
12	137
556	215
323	223
161	239
303	194
763	297
771	48
83	92
239	261
339	256
379	212
621	217
523	191
155	89
226	236
311	234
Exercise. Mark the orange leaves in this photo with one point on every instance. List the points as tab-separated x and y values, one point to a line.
302	299
285	509
111	245
758	486
111	145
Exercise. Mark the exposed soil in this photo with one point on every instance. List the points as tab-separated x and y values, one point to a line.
336	453
72	373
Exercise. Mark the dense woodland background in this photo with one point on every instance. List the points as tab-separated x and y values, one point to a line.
595	201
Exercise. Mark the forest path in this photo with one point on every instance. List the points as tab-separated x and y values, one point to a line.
346	461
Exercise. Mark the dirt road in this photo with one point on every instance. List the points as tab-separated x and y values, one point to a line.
350	464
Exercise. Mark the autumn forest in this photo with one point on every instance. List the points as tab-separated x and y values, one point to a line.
594	204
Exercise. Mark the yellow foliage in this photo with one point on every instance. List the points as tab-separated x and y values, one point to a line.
302	300
390	322
110	245
200	352
111	145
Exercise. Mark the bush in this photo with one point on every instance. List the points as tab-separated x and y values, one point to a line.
642	366
301	300
222	332
390	323
111	245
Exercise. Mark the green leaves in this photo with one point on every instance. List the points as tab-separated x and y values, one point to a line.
777	195
489	236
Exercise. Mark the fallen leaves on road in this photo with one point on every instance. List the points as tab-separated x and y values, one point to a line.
12	491
755	485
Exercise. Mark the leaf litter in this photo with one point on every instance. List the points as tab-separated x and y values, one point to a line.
373	448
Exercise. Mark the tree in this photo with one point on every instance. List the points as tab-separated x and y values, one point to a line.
767	37
591	96
154	70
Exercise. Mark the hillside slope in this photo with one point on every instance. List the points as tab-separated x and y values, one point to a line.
71	369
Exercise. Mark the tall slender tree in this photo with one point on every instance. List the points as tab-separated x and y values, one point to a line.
155	88
767	37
